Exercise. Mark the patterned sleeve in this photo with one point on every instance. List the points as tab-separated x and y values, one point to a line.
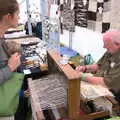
5	73
112	80
103	59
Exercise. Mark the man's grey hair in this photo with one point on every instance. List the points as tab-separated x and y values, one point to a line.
113	35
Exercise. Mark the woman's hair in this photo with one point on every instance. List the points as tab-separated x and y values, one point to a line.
8	6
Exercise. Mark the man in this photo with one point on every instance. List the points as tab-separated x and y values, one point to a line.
107	70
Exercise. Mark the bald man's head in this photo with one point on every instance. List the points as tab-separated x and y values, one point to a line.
112	35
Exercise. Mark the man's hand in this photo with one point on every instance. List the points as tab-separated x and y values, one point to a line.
87	68
96	80
80	68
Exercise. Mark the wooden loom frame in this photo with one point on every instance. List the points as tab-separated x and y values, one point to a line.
74	98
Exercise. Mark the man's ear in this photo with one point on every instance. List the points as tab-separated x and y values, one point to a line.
118	44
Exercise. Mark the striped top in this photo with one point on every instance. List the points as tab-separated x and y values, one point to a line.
5	71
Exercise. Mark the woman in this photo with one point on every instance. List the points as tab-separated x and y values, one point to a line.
9	16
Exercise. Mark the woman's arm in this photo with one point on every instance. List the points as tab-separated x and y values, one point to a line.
13	63
5	73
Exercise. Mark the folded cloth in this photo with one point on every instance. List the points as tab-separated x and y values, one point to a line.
68	51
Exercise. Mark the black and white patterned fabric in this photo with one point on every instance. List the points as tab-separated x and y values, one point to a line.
67	16
80	13
99	15
92	14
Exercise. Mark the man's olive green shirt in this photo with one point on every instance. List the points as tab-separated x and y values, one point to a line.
109	68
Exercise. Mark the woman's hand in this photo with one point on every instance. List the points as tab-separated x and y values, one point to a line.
14	61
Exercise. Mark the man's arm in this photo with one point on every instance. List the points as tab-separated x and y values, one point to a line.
87	68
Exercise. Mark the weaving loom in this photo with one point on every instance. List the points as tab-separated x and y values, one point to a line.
59	92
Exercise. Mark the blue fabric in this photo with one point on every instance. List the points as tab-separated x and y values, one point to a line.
21	94
68	51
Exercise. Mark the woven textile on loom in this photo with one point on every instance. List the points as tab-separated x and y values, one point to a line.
49	92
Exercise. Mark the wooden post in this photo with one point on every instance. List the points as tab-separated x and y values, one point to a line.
73	98
73	84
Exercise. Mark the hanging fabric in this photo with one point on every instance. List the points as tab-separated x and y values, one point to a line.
115	14
99	15
67	16
81	13
72	4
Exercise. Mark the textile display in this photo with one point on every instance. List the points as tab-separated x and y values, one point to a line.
68	15
80	13
45	29
115	14
9	92
92	14
98	18
50	24
45	8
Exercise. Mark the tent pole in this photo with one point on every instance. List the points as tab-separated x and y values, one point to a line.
29	17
